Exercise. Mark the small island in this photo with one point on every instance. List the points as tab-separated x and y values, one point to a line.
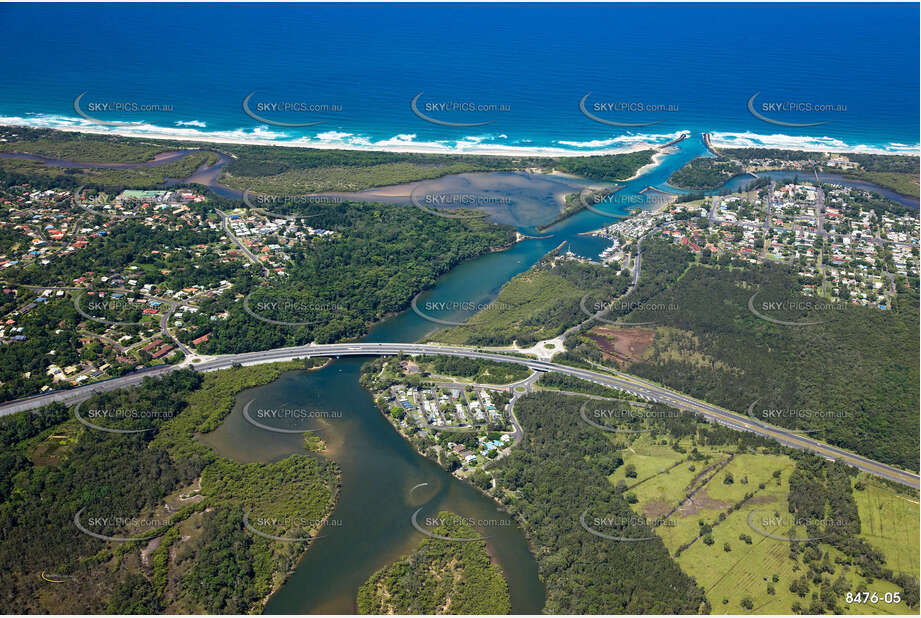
439	577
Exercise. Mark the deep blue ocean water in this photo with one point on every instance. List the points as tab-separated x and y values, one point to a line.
530	64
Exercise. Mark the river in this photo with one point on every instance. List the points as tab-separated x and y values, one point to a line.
383	479
379	468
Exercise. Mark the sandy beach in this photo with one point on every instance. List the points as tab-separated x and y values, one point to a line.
656	160
263	136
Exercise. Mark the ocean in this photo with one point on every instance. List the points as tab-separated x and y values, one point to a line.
476	78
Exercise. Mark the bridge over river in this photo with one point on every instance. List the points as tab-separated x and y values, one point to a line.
645	389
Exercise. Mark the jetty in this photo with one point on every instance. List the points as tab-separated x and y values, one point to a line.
680	138
709	145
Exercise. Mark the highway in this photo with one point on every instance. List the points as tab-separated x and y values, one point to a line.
647	390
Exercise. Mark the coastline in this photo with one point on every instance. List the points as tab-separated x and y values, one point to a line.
781	141
397	144
264	135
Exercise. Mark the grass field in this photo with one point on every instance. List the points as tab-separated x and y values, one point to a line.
535	305
92	150
745	572
139	178
889	521
352	178
521	299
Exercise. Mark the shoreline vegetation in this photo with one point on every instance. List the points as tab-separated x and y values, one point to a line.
439	577
137	162
294	167
197	503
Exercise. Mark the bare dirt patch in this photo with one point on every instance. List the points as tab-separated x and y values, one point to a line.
702	501
655	509
623	345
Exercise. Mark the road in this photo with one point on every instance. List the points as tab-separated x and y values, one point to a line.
249	254
624	382
820	212
164	318
637	265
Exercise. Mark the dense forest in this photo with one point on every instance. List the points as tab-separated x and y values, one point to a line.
12	240
384	256
743	154
202	558
439	577
854	377
558	472
108	475
704	173
606	167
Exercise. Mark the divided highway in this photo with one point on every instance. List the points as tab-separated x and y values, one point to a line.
624	382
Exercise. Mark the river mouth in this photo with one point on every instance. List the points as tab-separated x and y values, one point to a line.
384	480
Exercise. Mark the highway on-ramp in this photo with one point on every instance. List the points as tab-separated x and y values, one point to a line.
623	382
